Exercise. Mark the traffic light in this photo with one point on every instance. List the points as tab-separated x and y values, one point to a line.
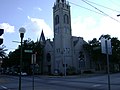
1	39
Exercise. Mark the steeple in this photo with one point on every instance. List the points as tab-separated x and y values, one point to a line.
42	38
61	18
60	1
62	34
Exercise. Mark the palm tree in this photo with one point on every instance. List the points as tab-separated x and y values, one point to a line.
2	51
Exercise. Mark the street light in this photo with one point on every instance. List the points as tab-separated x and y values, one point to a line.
21	31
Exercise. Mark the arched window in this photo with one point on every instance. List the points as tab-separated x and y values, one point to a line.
58	1
56	19
48	57
66	19
81	60
62	0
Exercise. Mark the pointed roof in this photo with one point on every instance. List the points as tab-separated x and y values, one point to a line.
60	1
42	37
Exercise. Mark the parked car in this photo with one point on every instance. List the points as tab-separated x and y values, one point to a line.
23	73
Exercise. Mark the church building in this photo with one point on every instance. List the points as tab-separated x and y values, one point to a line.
65	54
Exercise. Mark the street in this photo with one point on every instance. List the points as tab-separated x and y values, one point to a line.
60	83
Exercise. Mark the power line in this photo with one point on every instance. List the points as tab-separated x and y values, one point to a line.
100	11
103	6
86	8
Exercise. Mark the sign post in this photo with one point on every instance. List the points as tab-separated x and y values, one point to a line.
33	62
107	49
33	67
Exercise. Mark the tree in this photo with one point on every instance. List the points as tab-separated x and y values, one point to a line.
94	49
107	36
115	57
2	51
38	48
13	59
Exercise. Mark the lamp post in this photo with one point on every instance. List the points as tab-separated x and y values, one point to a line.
21	31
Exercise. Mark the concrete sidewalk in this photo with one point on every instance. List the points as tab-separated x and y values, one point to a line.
73	76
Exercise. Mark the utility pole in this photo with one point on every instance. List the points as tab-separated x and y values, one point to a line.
33	69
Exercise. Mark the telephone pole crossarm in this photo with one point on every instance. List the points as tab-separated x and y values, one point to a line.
118	15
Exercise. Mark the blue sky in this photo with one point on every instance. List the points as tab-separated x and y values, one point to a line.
36	15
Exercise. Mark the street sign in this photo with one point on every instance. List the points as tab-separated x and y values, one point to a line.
106	46
28	51
109	47
96	48
103	46
33	59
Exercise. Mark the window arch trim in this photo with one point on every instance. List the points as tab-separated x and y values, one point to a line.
56	19
66	19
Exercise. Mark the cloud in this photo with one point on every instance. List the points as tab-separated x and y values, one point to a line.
82	27
38	8
7	27
20	9
90	28
36	25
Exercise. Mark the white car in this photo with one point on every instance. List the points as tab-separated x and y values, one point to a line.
23	73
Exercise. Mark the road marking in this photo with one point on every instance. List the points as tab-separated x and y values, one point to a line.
4	87
96	85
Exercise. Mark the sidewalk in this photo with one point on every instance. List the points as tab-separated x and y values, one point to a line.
72	76
2	80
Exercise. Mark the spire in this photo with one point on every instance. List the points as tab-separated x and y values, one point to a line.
60	1
42	37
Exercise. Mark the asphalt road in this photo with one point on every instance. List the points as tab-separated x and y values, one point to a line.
60	83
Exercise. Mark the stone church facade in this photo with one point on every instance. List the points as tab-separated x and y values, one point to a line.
65	52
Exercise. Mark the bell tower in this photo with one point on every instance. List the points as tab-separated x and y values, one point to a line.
62	35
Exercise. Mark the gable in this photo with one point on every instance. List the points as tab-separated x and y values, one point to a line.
78	42
49	45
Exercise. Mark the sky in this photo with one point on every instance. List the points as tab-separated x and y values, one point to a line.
37	15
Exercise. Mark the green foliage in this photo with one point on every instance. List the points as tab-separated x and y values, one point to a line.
107	36
115	50
71	70
13	59
94	49
2	51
